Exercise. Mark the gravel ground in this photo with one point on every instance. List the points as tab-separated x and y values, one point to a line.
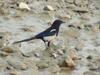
74	52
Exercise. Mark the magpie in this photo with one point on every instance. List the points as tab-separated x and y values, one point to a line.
47	35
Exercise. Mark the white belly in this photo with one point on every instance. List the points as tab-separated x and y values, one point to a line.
50	38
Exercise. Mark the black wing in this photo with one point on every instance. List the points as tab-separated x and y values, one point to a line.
48	32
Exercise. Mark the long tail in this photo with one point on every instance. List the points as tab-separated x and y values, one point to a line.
32	38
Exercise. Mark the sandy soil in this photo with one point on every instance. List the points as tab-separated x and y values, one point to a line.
74	52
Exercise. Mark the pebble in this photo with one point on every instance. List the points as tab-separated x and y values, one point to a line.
30	71
4	54
8	50
90	73
92	67
70	63
71	26
60	52
80	10
42	65
89	57
26	29
54	68
69	1
13	73
37	54
23	5
17	64
81	3
73	54
49	8
63	17
54	55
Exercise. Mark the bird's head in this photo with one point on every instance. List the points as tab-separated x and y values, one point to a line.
57	23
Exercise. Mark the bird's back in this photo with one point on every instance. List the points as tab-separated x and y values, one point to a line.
47	32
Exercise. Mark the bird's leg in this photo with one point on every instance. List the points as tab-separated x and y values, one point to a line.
48	44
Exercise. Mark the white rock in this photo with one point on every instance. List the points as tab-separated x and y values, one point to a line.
54	55
24	6
70	63
37	54
49	8
60	52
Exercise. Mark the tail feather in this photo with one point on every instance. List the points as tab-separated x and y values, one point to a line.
32	38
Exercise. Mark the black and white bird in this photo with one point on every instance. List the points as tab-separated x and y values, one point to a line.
47	35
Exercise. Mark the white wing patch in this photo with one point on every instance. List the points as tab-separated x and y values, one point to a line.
53	30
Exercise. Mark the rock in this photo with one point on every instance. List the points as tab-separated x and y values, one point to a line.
26	29
30	72
49	8
23	5
54	68
69	1
6	36
42	65
54	55
37	54
81	3
70	63
60	52
13	73
8	50
73	54
4	54
17	64
3	64
92	67
80	10
90	73
1	43
63	17
71	26
89	57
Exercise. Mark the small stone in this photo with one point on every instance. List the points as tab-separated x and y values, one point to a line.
69	1
71	26
23	6
80	10
90	73
54	68
49	8
8	50
73	54
23	66
17	64
3	54
78	27
42	65
64	16
54	55
92	67
1	37
81	3
60	52
37	54
70	62
13	73
89	57
26	29
1	44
